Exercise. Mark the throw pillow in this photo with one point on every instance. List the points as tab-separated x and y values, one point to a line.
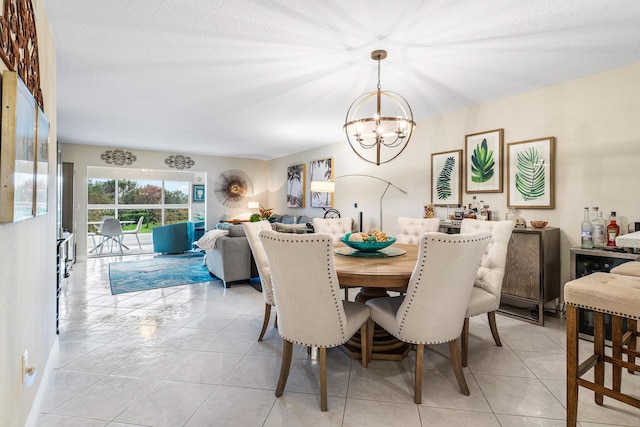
288	219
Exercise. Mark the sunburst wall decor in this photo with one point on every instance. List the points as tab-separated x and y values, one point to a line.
231	188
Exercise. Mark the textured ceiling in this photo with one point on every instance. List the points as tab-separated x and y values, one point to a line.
263	79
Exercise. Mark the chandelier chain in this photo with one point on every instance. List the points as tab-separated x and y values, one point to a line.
379	87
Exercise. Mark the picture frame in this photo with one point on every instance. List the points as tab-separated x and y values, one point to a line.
531	174
484	162
446	178
296	175
42	163
321	170
17	150
198	193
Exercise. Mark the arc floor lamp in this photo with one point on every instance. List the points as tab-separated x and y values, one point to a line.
330	187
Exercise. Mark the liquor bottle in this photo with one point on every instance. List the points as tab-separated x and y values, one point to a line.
598	229
613	230
587	240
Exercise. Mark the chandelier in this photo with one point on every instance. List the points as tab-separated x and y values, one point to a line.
379	124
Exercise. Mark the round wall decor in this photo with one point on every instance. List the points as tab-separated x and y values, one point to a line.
230	188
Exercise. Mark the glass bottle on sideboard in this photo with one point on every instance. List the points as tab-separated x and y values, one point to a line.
587	239
613	230
598	229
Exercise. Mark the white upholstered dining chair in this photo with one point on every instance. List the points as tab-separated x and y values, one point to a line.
310	311
337	227
487	286
432	310
252	230
410	229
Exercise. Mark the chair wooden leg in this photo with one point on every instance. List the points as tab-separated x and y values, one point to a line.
616	350
346	294
275	321
287	353
371	325
464	338
364	348
572	365
309	350
265	322
632	326
323	378
419	360
454	354
494	328
598	347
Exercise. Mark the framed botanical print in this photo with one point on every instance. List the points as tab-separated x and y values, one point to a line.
295	186
322	170
530	171
446	178
484	162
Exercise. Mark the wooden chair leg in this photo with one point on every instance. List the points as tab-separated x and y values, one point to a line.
370	328
632	326
418	374
457	367
616	350
572	365
265	322
494	328
275	321
323	378
287	352
598	349
464	338
309	350
364	348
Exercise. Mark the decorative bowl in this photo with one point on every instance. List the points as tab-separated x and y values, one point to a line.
539	224
367	246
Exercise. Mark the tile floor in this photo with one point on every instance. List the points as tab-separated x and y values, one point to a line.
189	356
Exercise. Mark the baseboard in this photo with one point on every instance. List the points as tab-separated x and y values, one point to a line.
36	407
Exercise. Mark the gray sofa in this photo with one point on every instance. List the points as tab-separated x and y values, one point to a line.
231	259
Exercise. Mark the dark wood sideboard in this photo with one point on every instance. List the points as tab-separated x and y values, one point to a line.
532	273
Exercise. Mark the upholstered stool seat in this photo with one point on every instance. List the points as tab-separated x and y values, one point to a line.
628	269
604	293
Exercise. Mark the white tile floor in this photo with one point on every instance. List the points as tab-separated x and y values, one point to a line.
189	356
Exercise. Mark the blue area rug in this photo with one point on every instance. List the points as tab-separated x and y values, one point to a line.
160	272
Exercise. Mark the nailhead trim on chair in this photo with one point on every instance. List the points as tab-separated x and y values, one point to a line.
613	313
337	301
422	263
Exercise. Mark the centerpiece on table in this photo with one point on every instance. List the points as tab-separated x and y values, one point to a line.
372	241
264	214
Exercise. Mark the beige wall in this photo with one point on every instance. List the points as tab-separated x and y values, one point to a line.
28	270
595	121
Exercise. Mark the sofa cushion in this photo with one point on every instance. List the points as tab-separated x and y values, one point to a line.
289	228
304	219
236	230
288	219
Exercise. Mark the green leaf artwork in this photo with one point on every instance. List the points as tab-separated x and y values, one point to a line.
443	185
530	178
482	163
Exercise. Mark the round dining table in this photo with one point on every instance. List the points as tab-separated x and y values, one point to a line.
375	276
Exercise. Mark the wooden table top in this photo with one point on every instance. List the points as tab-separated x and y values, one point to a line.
391	272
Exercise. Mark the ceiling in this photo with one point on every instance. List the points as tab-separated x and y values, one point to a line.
263	79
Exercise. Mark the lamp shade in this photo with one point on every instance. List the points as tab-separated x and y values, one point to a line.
254	205
323	186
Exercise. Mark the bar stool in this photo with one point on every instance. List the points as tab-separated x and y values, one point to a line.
603	293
